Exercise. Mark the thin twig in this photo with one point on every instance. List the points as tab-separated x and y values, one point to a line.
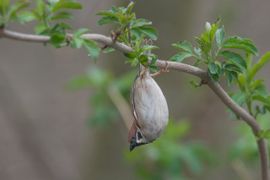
217	89
121	105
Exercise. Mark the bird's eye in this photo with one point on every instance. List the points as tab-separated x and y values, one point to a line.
140	139
139	135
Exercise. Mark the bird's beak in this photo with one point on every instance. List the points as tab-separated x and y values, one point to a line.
132	144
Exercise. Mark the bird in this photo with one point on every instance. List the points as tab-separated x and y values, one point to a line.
150	110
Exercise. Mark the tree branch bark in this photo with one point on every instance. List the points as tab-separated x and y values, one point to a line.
214	86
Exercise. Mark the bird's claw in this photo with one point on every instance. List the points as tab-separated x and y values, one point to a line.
162	70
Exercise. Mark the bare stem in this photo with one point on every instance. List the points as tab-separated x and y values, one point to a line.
216	88
121	105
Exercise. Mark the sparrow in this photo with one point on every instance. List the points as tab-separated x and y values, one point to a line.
150	110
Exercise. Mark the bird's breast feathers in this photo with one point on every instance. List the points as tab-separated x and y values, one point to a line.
150	107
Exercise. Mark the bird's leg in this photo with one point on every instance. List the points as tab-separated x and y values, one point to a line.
143	71
162	70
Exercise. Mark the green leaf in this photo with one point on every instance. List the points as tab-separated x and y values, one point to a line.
214	70
109	13
130	7
80	32
213	30
40	28
76	42
26	16
204	44
108	50
40	11
148	31
15	8
57	39
113	15
264	134
232	67
179	57
4	6
107	20
234	58
241	43
66	4
2	21
197	52
149	47
143	59
262	98
220	34
258	66
239	97
139	23
153	59
258	87
60	27
131	55
61	15
230	76
92	48
184	45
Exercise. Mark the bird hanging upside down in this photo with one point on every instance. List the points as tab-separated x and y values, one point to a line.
150	110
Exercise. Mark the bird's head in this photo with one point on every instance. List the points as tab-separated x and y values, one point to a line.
137	140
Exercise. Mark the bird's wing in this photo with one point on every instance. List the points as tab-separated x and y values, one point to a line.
135	123
132	131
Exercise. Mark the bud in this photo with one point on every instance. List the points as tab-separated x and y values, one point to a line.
207	26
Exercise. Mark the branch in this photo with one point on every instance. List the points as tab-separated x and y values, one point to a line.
121	104
215	86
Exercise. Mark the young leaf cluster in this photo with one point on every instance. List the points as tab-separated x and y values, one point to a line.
222	55
135	32
11	12
50	16
231	57
91	46
129	28
252	92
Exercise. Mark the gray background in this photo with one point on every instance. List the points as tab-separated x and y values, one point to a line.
43	126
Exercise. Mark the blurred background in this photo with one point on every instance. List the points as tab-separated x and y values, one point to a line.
58	121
